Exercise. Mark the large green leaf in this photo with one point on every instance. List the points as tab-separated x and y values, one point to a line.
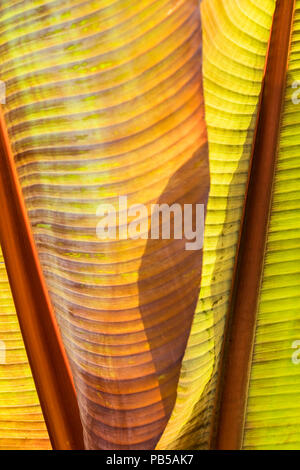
273	410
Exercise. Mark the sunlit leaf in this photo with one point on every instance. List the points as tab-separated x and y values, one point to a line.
104	99
235	39
156	100
273	411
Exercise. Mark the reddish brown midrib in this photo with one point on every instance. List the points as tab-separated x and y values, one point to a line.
39	329
241	329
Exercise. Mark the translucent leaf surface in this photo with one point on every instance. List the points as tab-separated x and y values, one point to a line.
22	424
